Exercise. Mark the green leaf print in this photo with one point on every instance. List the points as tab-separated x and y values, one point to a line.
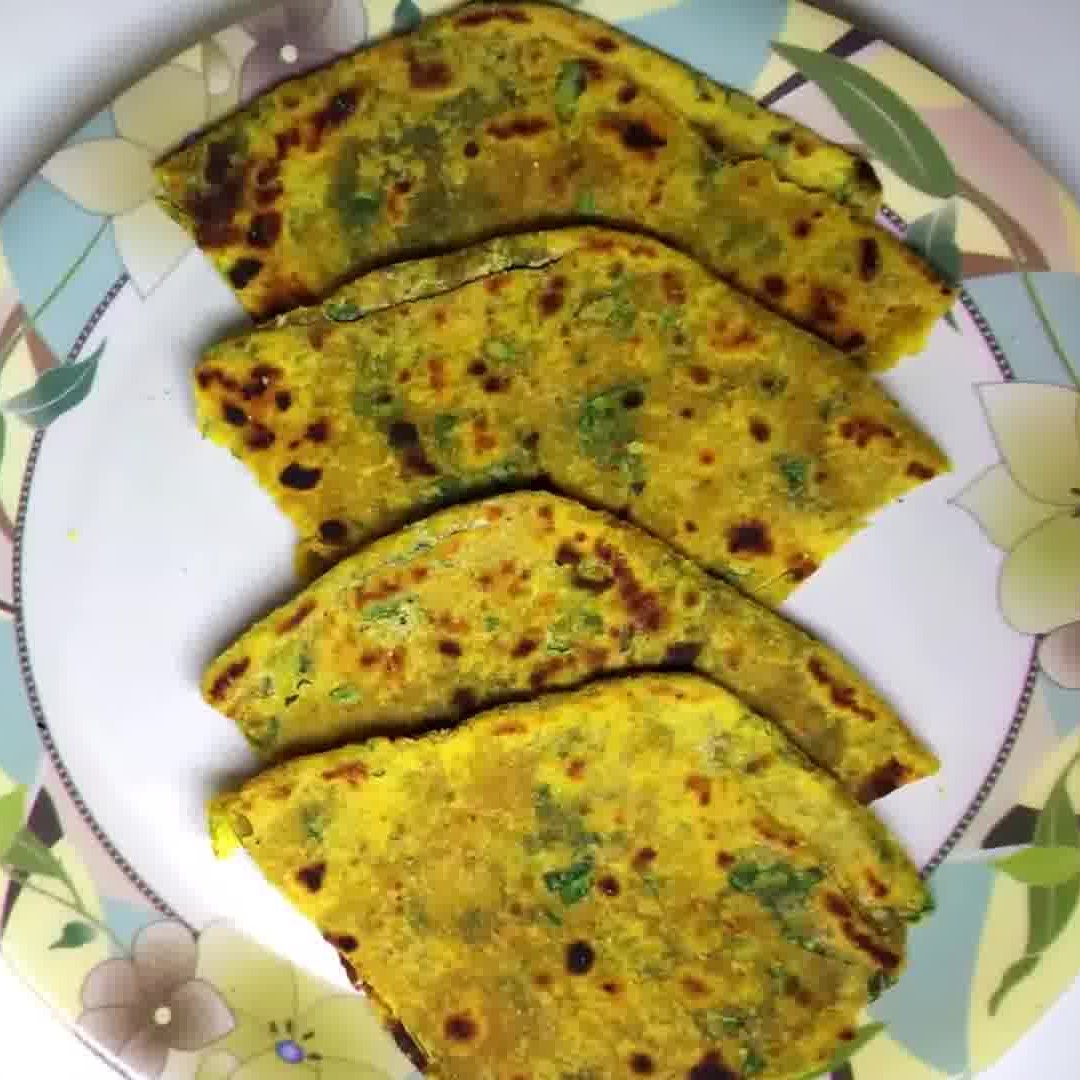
1044	866
890	128
407	16
933	236
28	855
74	935
1050	907
12	811
58	390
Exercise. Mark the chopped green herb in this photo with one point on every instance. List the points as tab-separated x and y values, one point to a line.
552	918
362	209
502	350
843	194
356	209
714	1024
342	311
378	402
565	630
606	428
572	884
295	660
753	1062
612	307
569	86
492	623
778	886
400	611
445	423
795	471
743	876
314	819
448	488
416	914
833	406
623	315
669	320
346	694
269	736
586	203
805	941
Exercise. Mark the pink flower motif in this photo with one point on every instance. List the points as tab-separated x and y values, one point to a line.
1059	655
294	36
141	1008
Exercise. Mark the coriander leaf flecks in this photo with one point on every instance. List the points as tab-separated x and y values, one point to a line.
569	86
572	884
795	472
342	311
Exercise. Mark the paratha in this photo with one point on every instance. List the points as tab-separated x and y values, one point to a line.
637	877
516	117
525	592
615	368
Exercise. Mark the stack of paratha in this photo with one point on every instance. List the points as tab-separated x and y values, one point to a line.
587	270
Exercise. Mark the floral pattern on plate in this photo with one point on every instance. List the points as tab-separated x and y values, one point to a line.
166	999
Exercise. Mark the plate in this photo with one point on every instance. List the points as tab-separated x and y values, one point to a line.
132	550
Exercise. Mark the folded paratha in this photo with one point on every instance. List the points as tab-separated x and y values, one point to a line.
640	877
525	592
513	117
610	366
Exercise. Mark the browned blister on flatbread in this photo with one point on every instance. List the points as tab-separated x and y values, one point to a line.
491	120
609	366
634	878
526	592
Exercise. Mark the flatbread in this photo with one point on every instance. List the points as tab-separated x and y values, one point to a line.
637	877
522	593
610	366
517	117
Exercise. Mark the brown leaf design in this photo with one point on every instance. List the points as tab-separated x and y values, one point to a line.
16	323
1028	255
